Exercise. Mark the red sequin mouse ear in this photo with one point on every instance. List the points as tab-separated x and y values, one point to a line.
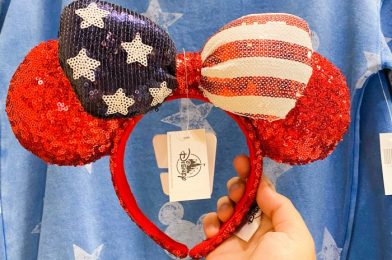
317	123
262	66
48	119
108	63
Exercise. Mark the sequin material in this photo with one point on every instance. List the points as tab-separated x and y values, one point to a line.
317	123
258	65
189	75
92	16
134	54
289	19
83	66
159	94
47	118
137	51
118	103
298	100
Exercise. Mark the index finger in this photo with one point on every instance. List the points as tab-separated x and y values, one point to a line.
242	166
284	216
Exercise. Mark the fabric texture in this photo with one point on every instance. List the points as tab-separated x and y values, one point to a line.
252	64
98	40
53	212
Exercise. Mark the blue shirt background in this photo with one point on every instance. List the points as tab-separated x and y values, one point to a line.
52	212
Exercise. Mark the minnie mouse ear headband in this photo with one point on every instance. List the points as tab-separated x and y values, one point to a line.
77	99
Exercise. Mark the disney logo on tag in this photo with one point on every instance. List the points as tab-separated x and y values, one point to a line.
188	165
253	213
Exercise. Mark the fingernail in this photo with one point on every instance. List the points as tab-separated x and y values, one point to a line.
224	207
234	186
211	229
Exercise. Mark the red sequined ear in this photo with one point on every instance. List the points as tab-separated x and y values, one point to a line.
48	119
317	123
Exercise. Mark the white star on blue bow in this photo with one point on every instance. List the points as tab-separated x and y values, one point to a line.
165	20
92	16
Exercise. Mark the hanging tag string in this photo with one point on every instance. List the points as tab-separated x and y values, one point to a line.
385	96
187	90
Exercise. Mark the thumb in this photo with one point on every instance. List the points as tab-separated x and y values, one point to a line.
281	211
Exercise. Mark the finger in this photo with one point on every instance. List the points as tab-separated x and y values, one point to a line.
269	182
225	208
242	166
236	188
211	224
284	216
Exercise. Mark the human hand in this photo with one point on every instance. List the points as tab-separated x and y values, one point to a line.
282	234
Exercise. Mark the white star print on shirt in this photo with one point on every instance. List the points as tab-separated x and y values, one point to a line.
315	40
83	66
80	254
171	214
92	16
36	229
384	42
137	51
329	249
118	103
165	20
159	94
191	116
274	170
373	65
89	168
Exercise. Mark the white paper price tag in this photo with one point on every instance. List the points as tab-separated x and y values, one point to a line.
189	177
247	231
386	161
160	148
